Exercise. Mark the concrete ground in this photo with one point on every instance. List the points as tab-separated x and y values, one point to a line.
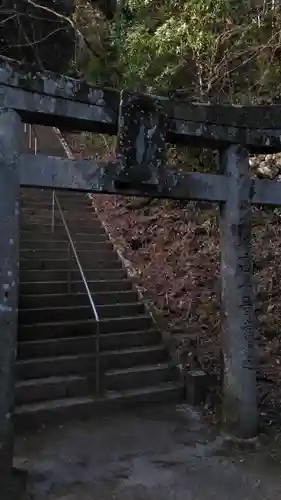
162	453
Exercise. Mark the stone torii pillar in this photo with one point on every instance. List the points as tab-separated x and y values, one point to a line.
240	412
11	135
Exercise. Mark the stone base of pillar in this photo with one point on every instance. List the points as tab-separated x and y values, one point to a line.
195	385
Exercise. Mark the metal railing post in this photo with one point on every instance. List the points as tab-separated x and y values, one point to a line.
98	359
69	271
53	210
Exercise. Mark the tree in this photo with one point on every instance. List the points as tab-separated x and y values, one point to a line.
214	49
33	31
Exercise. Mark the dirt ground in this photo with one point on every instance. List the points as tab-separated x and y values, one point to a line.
158	453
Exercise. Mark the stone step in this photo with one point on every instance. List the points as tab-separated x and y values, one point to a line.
82	328
76	313
38	228
84	364
72	220
68	386
35	415
88	260
61	287
33	275
51	388
62	236
78	195
31	215
57	254
46	245
37	205
88	224
44	215
45	210
75	299
33	209
75	345
138	376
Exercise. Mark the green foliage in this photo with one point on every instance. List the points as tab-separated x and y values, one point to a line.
216	50
212	48
162	38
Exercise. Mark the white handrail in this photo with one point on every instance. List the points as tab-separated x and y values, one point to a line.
55	201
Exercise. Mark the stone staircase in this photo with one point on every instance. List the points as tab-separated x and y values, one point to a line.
57	331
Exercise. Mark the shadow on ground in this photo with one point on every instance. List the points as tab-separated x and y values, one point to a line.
163	453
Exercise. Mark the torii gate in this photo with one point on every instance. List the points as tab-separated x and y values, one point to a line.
144	125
